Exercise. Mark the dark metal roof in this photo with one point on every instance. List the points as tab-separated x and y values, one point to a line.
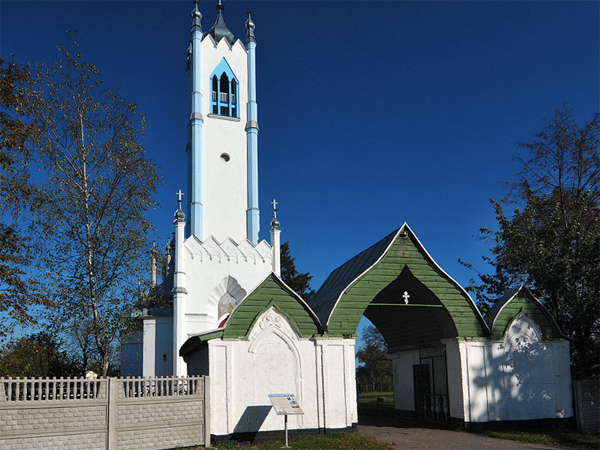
326	297
497	307
219	29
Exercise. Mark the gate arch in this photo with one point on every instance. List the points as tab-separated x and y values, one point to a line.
421	313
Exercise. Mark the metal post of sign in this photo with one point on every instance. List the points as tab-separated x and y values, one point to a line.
285	404
286	432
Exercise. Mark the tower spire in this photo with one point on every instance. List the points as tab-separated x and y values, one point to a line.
219	29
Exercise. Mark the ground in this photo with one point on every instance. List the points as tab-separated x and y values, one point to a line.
380	429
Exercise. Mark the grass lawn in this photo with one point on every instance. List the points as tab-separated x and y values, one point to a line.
338	441
548	435
369	405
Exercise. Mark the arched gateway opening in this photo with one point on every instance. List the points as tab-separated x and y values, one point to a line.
422	314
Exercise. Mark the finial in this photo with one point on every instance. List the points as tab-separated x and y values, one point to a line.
275	223
196	16
179	215
196	11
250	28
220	6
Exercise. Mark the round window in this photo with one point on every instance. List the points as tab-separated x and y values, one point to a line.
225	157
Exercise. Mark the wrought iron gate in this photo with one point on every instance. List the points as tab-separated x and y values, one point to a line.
431	386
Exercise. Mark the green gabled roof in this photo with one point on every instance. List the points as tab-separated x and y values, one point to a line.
272	292
372	284
514	304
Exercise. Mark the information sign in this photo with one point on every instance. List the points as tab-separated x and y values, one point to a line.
285	404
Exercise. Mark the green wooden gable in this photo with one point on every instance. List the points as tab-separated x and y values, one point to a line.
272	292
516	302
373	284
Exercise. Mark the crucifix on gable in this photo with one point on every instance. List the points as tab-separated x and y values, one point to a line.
406	296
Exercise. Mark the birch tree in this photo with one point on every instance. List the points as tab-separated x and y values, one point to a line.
88	211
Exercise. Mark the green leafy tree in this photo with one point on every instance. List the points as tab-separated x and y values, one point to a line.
16	130
375	365
87	214
299	282
38	355
551	241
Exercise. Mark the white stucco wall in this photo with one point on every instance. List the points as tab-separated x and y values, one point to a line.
275	360
158	340
224	184
214	268
519	378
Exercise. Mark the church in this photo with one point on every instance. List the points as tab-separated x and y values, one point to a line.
223	310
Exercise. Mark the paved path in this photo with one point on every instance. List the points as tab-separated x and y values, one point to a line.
405	435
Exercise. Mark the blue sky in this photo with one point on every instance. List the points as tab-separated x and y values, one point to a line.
371	113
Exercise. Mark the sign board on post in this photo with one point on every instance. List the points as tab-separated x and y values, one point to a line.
284	405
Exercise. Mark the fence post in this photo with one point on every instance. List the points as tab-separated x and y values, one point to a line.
206	403
111	435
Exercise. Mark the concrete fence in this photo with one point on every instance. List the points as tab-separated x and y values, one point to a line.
103	414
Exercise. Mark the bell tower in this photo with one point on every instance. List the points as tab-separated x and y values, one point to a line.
222	133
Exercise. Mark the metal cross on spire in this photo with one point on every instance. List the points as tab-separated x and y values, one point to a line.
274	203
179	195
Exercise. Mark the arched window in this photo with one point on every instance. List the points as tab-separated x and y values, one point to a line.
224	99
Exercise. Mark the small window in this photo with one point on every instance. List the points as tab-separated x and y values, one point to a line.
225	157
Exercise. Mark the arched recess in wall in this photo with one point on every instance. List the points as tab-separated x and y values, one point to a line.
528	385
273	343
228	290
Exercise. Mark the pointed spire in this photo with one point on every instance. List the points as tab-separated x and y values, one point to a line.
196	17
219	29
250	28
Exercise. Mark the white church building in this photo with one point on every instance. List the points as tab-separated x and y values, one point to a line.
222	309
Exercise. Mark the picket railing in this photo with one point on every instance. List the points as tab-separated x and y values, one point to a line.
56	389
51	389
161	387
